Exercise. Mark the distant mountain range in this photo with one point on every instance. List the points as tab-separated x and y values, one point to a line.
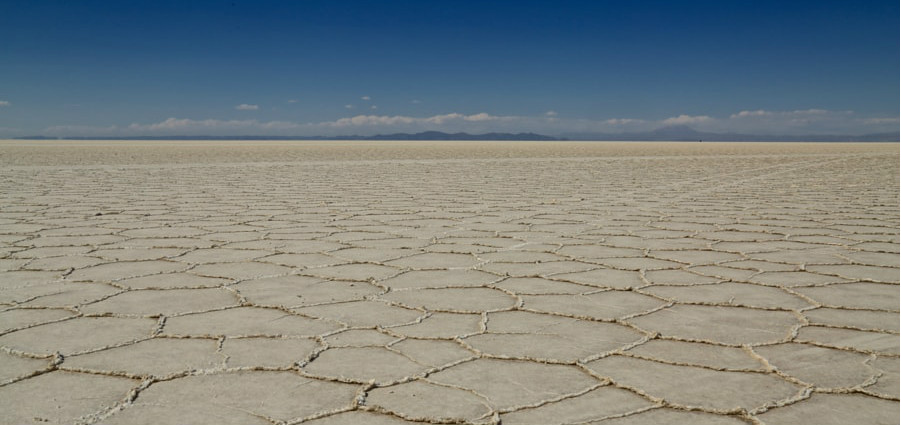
427	135
678	133
683	133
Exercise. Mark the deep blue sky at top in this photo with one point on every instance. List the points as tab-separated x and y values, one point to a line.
101	63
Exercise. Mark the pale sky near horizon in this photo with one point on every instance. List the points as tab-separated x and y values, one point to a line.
239	67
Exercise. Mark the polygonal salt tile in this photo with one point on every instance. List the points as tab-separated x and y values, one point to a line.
519	257
78	335
140	413
432	352
164	302
153	357
137	254
842	409
466	300
182	243
173	281
267	352
310	246
65	294
731	293
74	240
799	257
359	417
862	319
795	278
639	263
240	271
163	232
442	325
600	305
730	325
605	278
664	416
888	383
420	400
764	266
855	271
696	353
822	367
724	273
13	367
282	396
439	279
541	286
362	364
221	255
52	397
53	251
598	251
354	272
363	313
22	317
247	321
507	383
696	386
303	260
371	254
64	263
678	277
125	269
883	259
18	279
695	257
296	291
537	269
530	335
434	260
596	404
855	295
875	342
359	338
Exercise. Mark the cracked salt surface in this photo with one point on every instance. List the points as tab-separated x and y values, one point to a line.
392	283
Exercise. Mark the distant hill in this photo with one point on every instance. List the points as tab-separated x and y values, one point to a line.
427	135
676	133
683	133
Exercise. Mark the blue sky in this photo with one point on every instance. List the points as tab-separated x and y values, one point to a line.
108	68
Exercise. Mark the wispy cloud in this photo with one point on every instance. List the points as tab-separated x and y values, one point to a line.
687	119
366	98
550	113
794	122
292	100
246	107
348	106
5	103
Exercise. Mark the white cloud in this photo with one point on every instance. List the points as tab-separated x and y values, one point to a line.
623	121
348	106
877	121
687	119
551	113
366	98
373	107
292	100
246	107
796	122
5	103
757	113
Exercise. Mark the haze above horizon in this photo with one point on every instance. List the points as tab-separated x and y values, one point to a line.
226	68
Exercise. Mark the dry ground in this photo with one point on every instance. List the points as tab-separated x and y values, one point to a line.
464	282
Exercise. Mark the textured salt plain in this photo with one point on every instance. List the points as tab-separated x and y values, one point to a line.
390	283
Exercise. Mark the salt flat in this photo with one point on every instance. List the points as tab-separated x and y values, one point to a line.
453	282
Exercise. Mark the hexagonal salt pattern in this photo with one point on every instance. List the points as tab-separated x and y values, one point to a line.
479	283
